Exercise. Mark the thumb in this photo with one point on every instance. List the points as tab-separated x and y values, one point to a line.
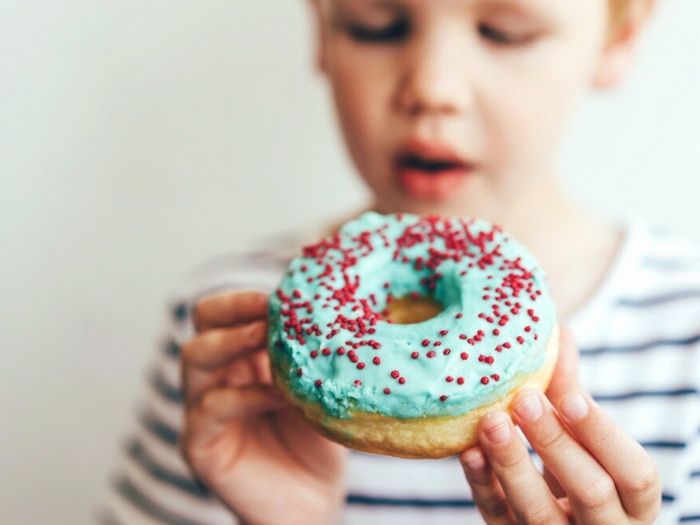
565	378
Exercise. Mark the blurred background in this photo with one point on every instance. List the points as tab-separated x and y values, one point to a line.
139	138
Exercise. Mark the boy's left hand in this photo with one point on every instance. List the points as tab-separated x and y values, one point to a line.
594	472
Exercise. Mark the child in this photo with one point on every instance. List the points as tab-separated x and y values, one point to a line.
489	85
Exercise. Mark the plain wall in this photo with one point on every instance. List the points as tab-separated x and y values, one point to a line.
139	138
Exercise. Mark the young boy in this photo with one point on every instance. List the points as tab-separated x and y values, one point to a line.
488	85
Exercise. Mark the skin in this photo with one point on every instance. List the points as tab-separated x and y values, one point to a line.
497	81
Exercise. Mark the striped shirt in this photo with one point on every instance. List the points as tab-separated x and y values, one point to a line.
639	340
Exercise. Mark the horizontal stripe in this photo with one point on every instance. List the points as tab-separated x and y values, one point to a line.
137	451
129	491
664	444
695	474
658	299
179	312
646	393
667	498
159	429
164	389
171	348
362	499
688	519
687	341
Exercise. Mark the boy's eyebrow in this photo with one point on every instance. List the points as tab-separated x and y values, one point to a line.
387	5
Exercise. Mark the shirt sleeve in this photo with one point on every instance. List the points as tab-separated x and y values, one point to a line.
152	484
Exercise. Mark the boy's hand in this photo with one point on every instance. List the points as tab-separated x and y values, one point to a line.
241	438
594	472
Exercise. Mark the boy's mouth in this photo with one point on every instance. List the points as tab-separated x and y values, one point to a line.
430	172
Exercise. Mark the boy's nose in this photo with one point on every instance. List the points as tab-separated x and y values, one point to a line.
434	79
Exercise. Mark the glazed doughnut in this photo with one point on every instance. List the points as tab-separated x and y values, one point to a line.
365	377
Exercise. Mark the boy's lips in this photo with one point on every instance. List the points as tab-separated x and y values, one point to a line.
431	171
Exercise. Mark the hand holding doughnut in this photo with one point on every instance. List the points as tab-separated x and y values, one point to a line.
595	473
241	438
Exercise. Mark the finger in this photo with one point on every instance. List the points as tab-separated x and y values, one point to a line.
632	470
552	483
217	347
254	370
228	309
565	377
219	407
591	491
250	370
486	490
528	495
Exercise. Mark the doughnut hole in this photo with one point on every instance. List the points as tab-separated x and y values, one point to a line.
410	309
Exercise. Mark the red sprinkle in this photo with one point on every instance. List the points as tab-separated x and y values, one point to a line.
402	380
431	354
360	365
460	380
387	391
425	342
484	380
414	355
443	398
318	383
376	360
464	355
449	379
395	374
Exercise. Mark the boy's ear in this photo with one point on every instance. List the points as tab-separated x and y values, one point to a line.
319	15
620	49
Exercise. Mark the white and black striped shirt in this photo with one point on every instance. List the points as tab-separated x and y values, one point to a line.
639	339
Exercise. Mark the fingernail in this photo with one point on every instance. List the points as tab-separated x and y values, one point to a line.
475	460
574	407
497	428
530	407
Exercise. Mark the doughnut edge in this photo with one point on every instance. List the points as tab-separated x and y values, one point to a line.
418	438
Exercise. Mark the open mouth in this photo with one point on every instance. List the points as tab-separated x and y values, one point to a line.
415	162
432	175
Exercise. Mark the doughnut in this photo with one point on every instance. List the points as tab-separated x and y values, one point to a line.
398	333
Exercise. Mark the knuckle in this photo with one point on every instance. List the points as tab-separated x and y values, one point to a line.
552	436
647	480
494	506
209	402
511	458
256	333
598	494
541	515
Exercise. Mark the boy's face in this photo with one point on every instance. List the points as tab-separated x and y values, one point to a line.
454	105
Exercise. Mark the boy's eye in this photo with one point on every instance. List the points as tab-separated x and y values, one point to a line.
502	37
391	33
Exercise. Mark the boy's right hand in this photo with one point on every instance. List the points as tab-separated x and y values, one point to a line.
241	437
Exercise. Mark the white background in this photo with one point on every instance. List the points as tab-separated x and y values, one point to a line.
138	138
